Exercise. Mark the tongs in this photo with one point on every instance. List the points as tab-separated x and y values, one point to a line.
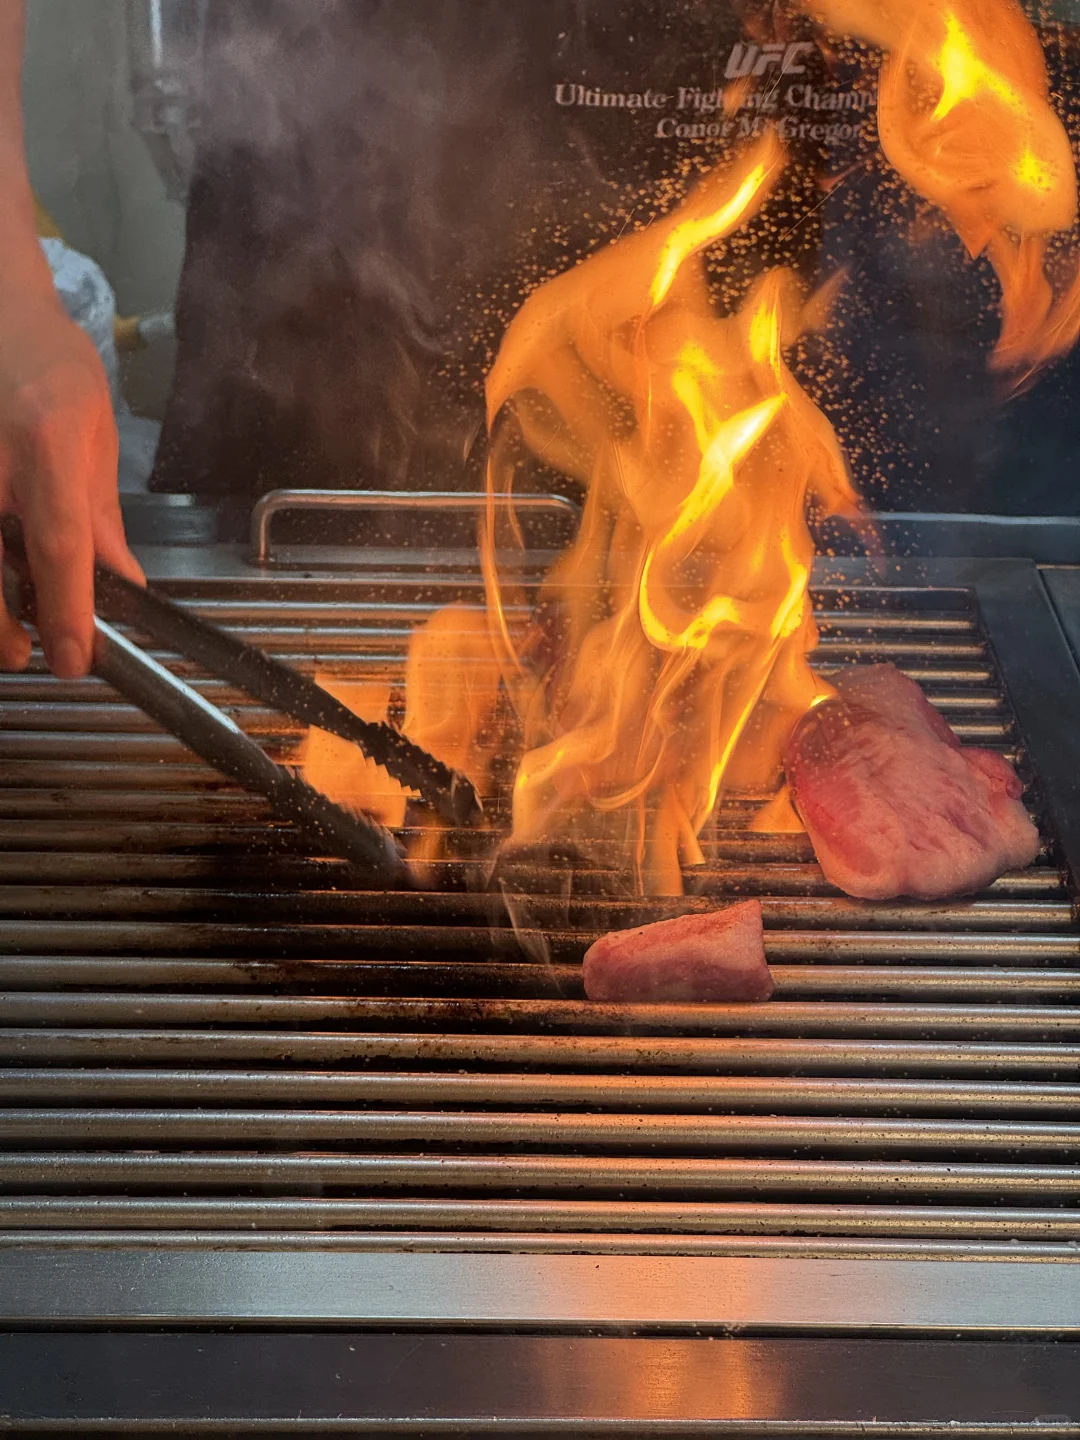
211	734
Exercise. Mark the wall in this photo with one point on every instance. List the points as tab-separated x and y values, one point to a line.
92	172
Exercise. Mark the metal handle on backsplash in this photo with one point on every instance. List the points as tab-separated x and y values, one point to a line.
278	501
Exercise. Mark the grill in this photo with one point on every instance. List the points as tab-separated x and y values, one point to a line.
240	1086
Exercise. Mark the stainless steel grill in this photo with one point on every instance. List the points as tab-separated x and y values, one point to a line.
207	1030
239	1086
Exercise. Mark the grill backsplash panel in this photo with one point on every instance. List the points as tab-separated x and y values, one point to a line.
205	1030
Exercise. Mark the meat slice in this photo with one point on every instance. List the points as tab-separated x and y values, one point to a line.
892	802
717	957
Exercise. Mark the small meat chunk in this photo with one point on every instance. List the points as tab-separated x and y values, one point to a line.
893	804
718	957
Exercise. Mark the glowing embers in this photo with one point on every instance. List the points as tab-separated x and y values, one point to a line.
964	116
680	611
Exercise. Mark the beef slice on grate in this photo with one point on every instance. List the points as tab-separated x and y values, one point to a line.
718	957
893	803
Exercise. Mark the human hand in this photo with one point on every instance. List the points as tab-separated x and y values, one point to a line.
58	461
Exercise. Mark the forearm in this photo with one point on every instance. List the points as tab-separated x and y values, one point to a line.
23	271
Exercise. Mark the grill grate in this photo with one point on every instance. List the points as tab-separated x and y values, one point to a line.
204	1030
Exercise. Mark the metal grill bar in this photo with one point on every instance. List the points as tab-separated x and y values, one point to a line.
250	618
716	1135
381	664
712	1093
575	1017
121	746
737	856
585	1053
839	643
508	978
95	936
160	1246
44	704
129	841
164	862
549	1174
573	922
208	806
683	1219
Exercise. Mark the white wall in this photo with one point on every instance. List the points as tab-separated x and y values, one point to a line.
93	173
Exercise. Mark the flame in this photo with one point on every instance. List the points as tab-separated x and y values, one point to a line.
667	661
695	234
681	619
452	685
452	689
964	115
340	769
779	816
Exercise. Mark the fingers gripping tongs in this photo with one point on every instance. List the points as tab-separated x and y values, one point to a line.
218	740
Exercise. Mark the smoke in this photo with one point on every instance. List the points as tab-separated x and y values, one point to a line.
374	110
379	185
369	176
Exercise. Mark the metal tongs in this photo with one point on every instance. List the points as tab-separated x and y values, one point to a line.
211	734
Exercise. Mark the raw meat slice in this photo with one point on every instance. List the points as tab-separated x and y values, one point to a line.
717	957
892	802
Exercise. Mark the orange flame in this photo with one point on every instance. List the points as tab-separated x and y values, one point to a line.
452	685
340	769
452	690
964	116
667	662
681	606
